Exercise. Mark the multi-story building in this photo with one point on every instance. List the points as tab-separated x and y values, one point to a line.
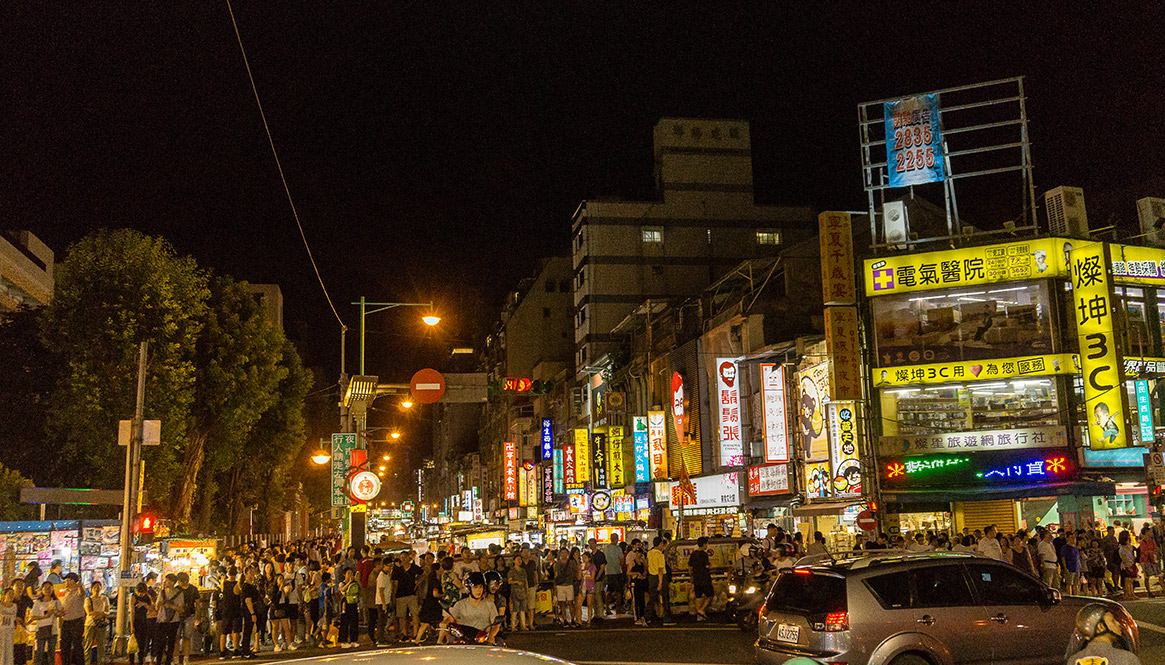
703	222
26	271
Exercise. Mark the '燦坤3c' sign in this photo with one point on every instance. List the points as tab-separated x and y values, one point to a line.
1100	359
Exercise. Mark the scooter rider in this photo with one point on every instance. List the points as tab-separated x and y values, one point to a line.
476	610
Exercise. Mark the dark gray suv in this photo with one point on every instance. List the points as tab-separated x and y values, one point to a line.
901	608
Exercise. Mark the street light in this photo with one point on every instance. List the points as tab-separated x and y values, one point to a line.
431	319
406	404
395	435
321	457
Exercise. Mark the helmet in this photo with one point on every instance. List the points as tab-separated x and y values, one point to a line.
493	580
474	578
1096	620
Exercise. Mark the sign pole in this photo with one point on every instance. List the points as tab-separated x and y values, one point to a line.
133	455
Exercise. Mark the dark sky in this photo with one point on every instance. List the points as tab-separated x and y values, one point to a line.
436	150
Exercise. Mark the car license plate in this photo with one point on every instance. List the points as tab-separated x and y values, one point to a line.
787	633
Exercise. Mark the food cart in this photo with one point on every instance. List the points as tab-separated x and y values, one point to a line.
723	553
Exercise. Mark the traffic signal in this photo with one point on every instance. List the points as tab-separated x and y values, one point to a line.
144	527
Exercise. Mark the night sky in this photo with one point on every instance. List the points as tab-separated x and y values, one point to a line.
435	150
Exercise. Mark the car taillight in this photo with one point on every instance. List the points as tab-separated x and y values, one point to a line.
761	612
840	620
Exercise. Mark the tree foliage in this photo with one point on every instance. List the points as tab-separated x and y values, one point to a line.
11	482
28	375
113	290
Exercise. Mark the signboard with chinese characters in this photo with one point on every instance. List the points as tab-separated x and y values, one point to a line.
1135	367
523	485
642	459
959	442
971	370
623	503
711	491
914	145
533	478
568	466
845	354
657	444
547	439
615	438
559	472
1144	411
579	504
768	479
510	472
776	417
1106	406
1138	265
812	396
837	258
548	483
677	405
1031	259
1015	467
844	454
342	446
582	455
728	408
599	460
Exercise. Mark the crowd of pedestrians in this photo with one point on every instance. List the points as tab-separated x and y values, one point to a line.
36	620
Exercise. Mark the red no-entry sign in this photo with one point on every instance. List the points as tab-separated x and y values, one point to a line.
866	521
427	386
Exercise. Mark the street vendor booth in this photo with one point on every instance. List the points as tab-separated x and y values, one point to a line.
186	555
91	547
723	555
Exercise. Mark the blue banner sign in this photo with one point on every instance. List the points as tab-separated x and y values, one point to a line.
1144	411
547	439
914	146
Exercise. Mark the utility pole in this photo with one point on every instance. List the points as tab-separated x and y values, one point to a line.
133	458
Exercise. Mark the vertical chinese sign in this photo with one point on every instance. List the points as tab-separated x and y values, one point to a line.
657	444
838	282
677	406
568	466
728	406
776	420
615	456
1100	360
599	460
845	358
642	458
559	467
511	470
547	439
550	481
342	447
914	145
523	485
582	455
847	470
839	289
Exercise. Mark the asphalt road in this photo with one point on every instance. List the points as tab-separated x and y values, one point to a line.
1150	616
685	643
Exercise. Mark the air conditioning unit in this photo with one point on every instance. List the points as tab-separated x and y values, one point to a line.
895	224
1151	213
1066	214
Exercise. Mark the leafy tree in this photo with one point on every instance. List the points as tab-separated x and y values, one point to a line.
11	482
239	368
114	290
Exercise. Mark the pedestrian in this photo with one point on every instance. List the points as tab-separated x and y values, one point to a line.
7	627
637	574
431	614
529	562
1097	568
1072	562
1049	561
818	544
250	608
519	594
587	587
96	623
405	577
141	603
368	598
72	619
656	572
598	608
1020	557
56	572
384	600
188	618
46	609
1128	566
989	545
170	606
565	579
1150	564
702	591
579	596
326	607
350	614
615	577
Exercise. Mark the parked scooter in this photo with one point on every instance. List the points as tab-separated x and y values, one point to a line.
747	589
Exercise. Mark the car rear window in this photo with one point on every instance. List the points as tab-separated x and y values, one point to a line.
807	593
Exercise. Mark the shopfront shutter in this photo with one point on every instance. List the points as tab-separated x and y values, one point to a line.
980	514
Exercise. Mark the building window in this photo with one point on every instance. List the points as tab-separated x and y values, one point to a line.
653	234
768	237
581	317
1138	340
967	407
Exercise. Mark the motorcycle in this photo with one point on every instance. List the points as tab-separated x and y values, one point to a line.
460	633
746	593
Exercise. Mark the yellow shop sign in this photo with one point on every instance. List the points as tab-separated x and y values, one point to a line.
1031	259
977	370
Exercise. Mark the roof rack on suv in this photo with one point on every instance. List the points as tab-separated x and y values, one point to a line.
858	559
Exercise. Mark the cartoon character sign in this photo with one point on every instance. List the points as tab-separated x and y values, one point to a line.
814	395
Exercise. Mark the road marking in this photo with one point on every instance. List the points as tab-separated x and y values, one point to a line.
1151	626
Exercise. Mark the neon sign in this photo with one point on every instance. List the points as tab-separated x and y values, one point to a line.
512	385
1032	465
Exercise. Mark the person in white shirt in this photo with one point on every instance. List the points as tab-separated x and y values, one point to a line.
918	543
1049	562
384	599
989	545
96	621
46	609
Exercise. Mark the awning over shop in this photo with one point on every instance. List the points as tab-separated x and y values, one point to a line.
1078	488
767	502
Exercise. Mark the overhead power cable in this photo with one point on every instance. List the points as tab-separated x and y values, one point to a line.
279	166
